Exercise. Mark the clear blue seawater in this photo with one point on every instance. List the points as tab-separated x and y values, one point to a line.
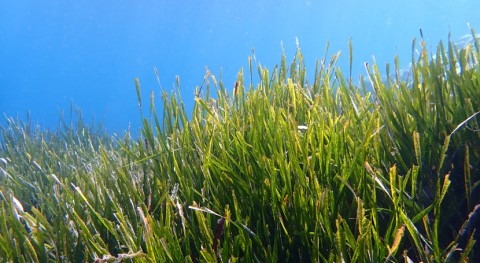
55	53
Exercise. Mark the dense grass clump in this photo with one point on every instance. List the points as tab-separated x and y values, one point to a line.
282	170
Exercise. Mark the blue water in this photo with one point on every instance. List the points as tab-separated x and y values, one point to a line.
55	53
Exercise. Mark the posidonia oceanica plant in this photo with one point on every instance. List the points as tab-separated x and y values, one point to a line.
292	168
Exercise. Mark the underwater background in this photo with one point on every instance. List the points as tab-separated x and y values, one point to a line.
57	53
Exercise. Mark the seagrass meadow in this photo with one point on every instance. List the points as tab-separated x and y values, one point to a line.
387	170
